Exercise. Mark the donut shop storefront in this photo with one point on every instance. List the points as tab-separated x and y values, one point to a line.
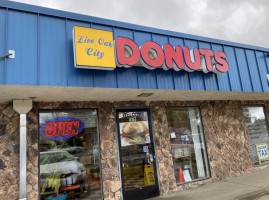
98	109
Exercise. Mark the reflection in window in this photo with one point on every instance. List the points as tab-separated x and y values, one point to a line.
188	146
257	130
69	154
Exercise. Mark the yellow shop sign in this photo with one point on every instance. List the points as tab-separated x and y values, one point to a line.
97	49
93	49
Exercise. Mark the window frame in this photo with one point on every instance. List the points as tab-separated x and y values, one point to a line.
99	145
205	144
267	126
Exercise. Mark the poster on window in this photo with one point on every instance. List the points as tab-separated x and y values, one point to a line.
134	128
262	151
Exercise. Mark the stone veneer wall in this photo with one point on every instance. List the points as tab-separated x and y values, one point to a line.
224	128
9	153
229	152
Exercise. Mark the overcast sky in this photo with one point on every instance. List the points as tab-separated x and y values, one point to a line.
243	21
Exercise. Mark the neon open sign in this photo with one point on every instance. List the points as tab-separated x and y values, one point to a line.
61	128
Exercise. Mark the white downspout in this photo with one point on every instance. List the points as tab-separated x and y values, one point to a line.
23	107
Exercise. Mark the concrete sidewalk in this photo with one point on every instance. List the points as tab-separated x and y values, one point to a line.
246	187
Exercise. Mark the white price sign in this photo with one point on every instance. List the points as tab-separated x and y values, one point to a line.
262	151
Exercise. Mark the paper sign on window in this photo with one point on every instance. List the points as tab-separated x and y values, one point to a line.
262	151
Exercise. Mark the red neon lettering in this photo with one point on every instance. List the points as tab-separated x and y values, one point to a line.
75	128
222	65
49	129
193	62
173	57
61	128
68	128
133	49
157	52
207	55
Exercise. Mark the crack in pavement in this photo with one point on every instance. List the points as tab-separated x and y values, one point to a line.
246	185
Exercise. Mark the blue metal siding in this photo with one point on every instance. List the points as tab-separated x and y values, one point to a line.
244	71
42	39
164	80
86	18
254	71
261	60
103	78
181	78
76	77
146	78
102	27
22	37
127	77
266	55
223	79
2	44
210	79
53	60
234	73
196	78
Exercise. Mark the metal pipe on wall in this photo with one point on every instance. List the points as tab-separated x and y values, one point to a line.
23	165
23	107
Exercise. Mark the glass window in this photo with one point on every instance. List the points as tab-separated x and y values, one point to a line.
257	133
69	154
188	145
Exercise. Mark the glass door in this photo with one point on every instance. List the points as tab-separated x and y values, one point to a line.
137	155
